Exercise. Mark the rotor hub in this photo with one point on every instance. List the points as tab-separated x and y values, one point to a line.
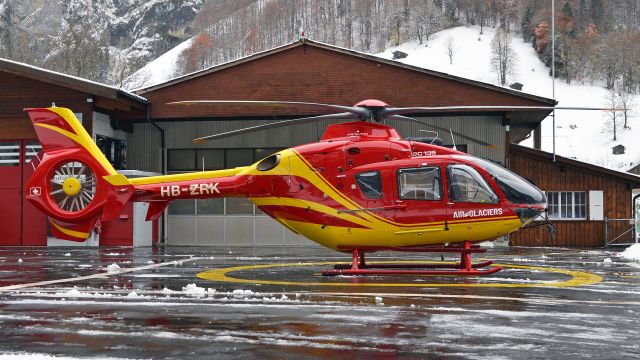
71	186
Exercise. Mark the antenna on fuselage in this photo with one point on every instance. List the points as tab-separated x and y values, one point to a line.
453	140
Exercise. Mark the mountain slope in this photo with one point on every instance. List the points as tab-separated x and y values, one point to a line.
132	32
581	135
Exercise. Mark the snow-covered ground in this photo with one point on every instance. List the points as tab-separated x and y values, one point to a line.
579	134
161	69
632	252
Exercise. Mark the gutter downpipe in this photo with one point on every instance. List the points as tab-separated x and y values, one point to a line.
635	216
163	166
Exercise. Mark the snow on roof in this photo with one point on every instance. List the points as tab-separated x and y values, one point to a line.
4	62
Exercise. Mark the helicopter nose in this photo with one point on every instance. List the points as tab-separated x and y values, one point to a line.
530	213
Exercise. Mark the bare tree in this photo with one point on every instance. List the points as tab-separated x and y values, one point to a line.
626	102
450	48
80	54
613	115
503	57
425	19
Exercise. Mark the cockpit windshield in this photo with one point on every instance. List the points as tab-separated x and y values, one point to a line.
516	189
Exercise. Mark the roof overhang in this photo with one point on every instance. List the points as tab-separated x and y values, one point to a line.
632	179
104	96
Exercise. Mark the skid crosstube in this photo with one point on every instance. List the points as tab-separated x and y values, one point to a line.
465	267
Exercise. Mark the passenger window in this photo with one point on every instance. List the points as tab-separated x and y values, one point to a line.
370	183
467	185
420	183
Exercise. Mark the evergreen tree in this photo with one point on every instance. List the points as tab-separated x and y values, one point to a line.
525	25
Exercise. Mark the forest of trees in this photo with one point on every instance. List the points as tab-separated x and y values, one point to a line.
596	40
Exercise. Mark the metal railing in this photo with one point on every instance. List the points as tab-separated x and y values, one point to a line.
627	235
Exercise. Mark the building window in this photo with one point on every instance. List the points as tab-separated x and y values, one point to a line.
565	205
420	183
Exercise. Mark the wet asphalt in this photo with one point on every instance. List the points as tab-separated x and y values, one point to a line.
546	304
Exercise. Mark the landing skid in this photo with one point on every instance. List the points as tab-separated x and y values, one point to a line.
464	268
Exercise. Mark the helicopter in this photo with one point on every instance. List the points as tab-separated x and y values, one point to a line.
361	188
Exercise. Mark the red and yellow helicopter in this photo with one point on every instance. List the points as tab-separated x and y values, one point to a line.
361	188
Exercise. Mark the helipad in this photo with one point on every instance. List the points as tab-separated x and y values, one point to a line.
273	303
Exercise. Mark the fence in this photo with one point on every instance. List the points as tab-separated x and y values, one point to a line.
621	232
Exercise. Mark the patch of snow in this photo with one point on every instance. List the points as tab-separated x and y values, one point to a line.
161	69
113	268
607	261
240	292
20	261
631	253
67	254
73	293
168	291
193	289
133	295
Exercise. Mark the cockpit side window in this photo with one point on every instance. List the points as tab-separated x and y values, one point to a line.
370	183
467	185
515	188
424	183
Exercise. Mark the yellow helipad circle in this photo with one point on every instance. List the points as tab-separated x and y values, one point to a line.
71	186
578	278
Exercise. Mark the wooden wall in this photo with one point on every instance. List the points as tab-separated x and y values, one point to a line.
568	176
19	92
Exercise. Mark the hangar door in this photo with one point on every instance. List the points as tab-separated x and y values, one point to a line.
22	223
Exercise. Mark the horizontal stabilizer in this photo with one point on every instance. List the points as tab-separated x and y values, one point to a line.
116	200
156	208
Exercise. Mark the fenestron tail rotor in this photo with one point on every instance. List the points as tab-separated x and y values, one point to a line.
72	186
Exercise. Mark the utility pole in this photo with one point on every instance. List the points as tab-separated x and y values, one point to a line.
553	71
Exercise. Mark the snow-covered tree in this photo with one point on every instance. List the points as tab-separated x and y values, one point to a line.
425	19
613	116
450	48
626	102
503	57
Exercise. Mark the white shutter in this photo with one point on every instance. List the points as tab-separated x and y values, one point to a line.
596	205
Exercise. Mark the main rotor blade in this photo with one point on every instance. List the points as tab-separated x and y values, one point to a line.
407	110
277	124
477	141
364	113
